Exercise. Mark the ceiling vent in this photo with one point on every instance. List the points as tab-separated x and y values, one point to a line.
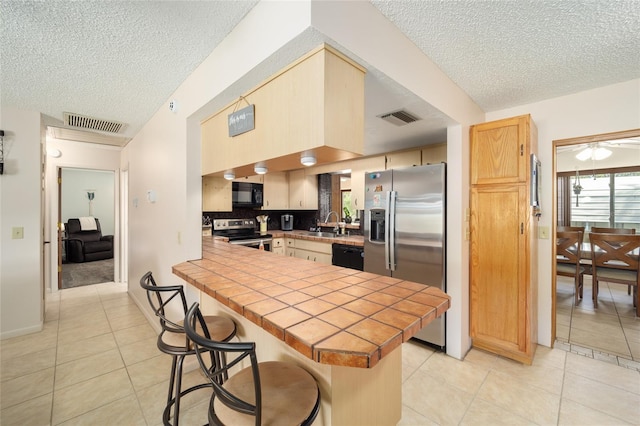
91	123
77	135
399	118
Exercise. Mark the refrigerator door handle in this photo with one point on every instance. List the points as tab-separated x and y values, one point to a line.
391	229
387	263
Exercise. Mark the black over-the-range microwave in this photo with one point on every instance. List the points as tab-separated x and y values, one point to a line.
247	194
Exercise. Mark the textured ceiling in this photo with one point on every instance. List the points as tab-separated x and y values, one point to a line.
121	60
115	60
509	53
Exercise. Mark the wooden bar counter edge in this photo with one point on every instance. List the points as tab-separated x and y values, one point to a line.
346	327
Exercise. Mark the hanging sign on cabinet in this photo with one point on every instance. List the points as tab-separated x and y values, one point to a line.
241	121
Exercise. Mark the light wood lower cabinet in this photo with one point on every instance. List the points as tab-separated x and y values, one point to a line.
316	251
502	308
277	246
289	247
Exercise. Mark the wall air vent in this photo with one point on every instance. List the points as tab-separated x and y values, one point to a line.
399	118
91	123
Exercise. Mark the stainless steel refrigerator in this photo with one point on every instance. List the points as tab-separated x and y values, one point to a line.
404	230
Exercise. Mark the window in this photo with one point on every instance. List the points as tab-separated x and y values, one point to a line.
346	202
609	200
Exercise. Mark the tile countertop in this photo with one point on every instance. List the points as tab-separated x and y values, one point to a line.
332	315
354	240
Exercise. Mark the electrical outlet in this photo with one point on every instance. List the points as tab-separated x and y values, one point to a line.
543	232
17	233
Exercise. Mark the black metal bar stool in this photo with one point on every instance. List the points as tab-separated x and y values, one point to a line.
270	393
173	340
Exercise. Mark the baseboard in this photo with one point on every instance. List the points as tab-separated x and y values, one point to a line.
22	331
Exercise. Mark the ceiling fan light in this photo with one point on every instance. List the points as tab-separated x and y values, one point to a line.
584	155
229	175
308	160
601	153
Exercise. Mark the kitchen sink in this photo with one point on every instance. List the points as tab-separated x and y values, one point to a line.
322	234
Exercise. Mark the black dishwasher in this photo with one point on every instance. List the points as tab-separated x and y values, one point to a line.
347	256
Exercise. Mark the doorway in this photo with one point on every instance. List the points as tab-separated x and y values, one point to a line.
584	195
87	193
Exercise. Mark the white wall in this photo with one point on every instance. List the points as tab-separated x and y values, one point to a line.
75	202
603	110
165	155
21	273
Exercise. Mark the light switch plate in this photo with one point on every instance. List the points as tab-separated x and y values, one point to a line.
17	232
543	232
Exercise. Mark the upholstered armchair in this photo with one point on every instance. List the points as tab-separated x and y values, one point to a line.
87	245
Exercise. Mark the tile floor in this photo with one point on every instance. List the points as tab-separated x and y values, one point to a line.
611	332
96	363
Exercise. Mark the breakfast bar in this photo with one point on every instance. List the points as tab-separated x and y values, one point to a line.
344	326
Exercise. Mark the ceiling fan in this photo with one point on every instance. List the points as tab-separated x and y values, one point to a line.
601	150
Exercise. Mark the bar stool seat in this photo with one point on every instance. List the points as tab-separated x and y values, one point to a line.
265	393
173	340
289	395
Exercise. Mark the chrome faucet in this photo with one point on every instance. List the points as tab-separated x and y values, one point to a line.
336	229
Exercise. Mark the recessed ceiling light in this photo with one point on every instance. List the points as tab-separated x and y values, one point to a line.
308	160
260	169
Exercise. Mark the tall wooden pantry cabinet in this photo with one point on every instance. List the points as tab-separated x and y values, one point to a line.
503	224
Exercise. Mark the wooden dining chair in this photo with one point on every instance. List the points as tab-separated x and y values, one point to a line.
568	255
569	228
614	258
626	231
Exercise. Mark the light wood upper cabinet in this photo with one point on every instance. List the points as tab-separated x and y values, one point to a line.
398	160
358	169
500	150
252	179
216	194
316	103
303	190
503	250
434	154
276	191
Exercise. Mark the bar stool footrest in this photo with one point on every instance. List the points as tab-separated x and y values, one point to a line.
166	415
